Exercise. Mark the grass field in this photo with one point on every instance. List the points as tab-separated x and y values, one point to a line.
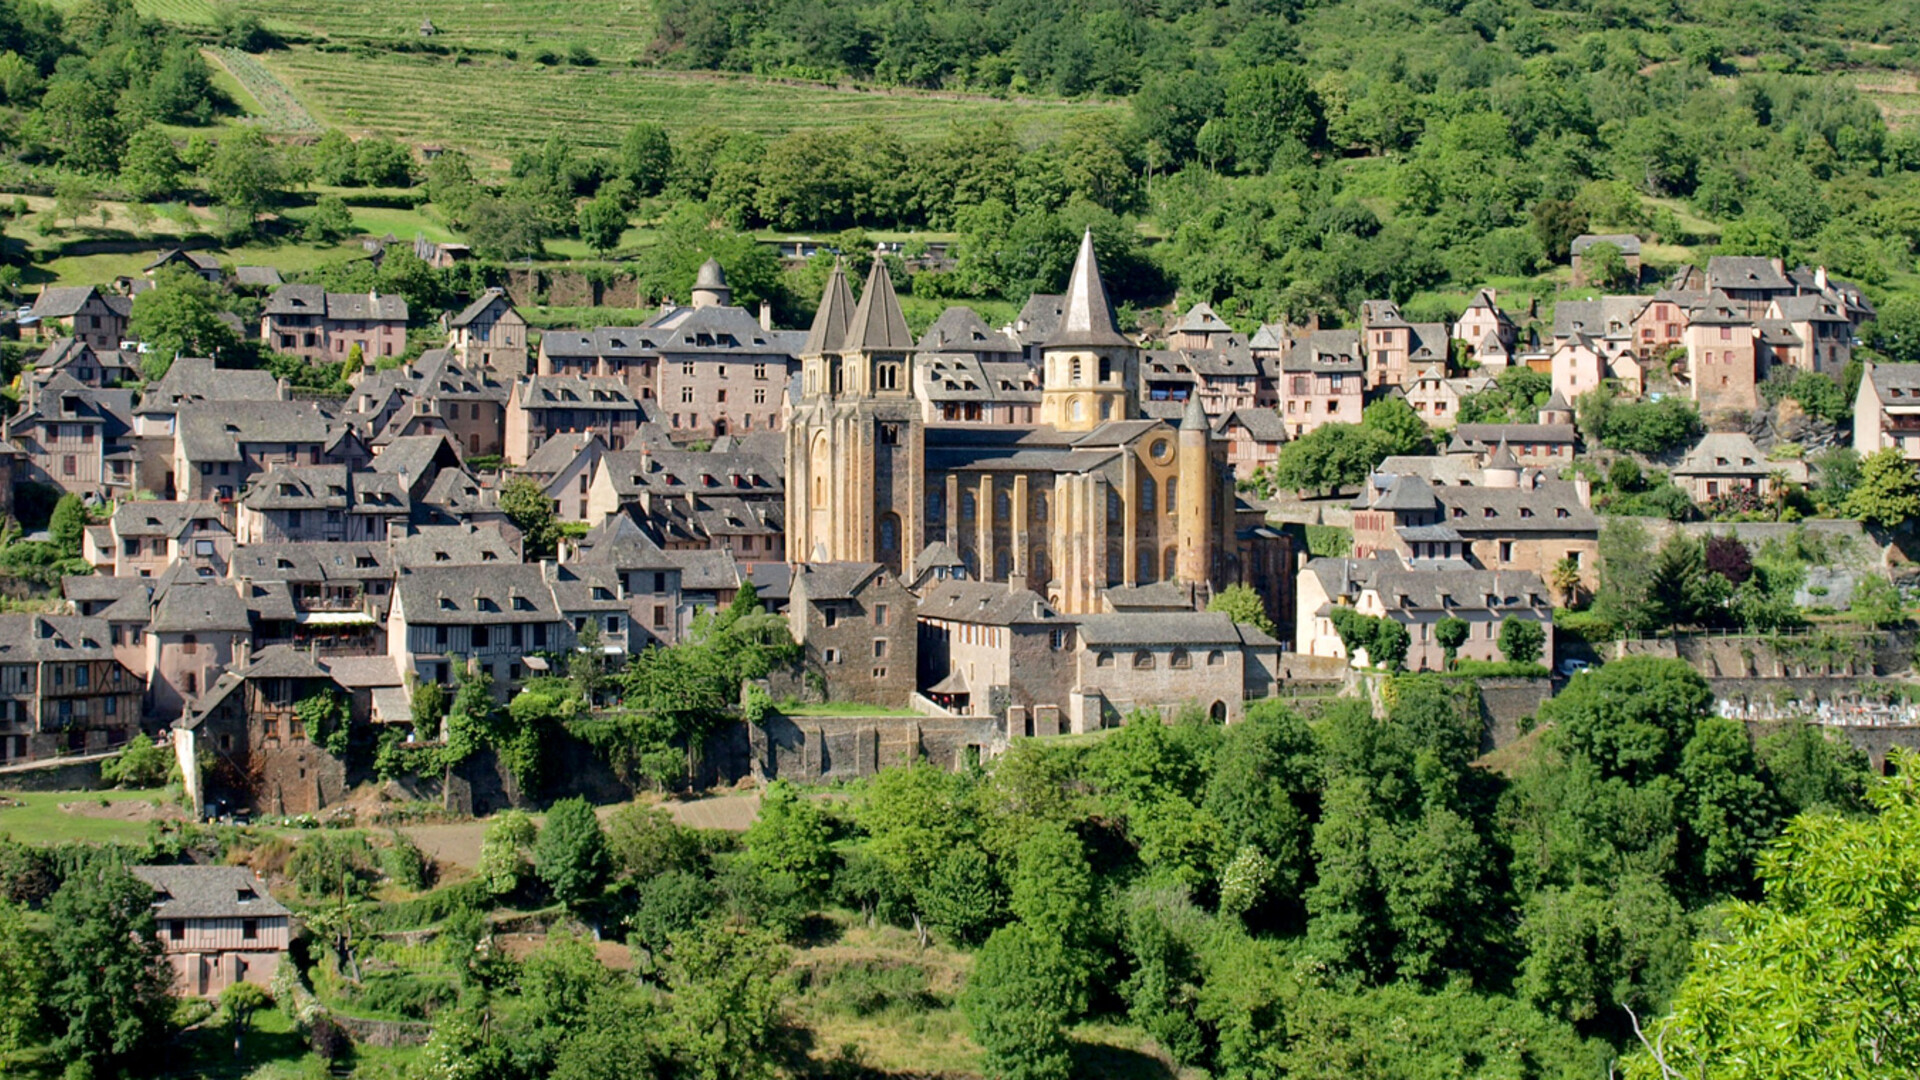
40	820
496	107
614	31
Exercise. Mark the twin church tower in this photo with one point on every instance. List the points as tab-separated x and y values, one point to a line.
1092	499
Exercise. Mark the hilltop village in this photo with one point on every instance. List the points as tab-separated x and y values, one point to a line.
1000	532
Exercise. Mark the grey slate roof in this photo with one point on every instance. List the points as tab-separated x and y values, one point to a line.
1896	384
559	452
834	581
620	543
576	392
831	319
480	303
985	603
213	431
1039	317
208	892
311	563
1628	243
300	487
1745	272
962	330
1474	438
453	545
1148	629
1086	318
196	378
256	276
61	301
25	638
1323	351
1495	511
344	307
462	595
877	324
149	518
193	606
1200	319
1264	425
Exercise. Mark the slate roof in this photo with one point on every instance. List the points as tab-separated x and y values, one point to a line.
1896	384
1628	243
149	518
835	312
720	332
620	341
1719	309
1039	317
958	376
197	378
1750	272
208	892
256	276
835	580
1474	438
1158	628
984	603
480	304
1812	308
299	487
340	307
962	330
618	542
311	563
560	451
576	392
1323	352
1087	318
462	595
1414	589
213	431
26	638
1728	454
62	301
1263	425
1200	319
192	606
706	570
877	324
586	587
1496	511
688	472
200	261
455	545
63	399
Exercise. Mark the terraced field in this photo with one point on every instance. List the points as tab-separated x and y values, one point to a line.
495	107
613	30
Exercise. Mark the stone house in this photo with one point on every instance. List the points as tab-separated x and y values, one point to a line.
263	756
541	407
493	616
218	926
200	629
1725	363
146	537
1253	437
1825	336
96	368
1199	328
78	311
1396	348
189	380
1540	446
1224	378
563	466
1513	518
656	607
1886	410
1723	463
673	493
490	333
627	353
437	394
1660	324
1750	282
1436	398
1322	379
332	597
206	266
1628	244
62	690
74	437
958	388
308	321
987	649
1579	366
1490	334
220	448
855	623
721	372
1164	661
1418	597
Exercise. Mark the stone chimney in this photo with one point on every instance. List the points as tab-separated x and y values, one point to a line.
1779	265
1820	278
766	315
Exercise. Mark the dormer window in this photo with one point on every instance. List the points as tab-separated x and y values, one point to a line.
521	603
601	592
448	605
1487	512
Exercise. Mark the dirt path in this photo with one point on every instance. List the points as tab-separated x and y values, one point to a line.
458	844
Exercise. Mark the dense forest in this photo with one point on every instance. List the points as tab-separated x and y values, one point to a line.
1280	161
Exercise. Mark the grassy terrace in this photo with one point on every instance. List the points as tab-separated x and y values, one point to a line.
499	106
39	818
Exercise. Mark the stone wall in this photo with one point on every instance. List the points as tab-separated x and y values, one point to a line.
810	749
1846	653
1504	703
71	774
571	288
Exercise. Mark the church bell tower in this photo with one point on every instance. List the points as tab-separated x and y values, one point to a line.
1091	368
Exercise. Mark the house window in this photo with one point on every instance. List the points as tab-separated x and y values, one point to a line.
1506	551
1143	660
249	929
1057	640
1105	659
177	929
829	616
831	656
1180	659
879	648
880	612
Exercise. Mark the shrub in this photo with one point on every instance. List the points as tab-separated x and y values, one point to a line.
405	864
140	765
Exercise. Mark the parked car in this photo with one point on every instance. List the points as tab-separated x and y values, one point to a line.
1571	667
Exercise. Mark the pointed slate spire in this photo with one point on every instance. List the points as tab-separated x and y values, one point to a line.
1502	457
836	310
1087	319
878	325
1195	418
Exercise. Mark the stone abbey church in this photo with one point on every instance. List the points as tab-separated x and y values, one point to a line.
1088	508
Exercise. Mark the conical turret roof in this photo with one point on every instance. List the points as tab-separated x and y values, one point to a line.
710	275
878	325
1502	457
1195	418
836	310
1087	319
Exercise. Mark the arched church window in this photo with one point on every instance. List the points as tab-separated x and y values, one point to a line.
1113	506
1076	371
1002	564
1079	409
1039	506
1113	565
1002	506
1143	564
1147	490
1173	494
966	505
1143	660
820	468
1172	561
936	505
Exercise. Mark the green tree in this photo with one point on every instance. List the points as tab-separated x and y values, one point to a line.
645	158
505	228
1451	632
1876	603
68	525
727	982
913	817
571	853
1328	458
601	221
1812	981
1888	491
72	199
329	221
24	976
1266	109
1626	574
1244	606
110	982
380	161
504	849
428	710
243	177
1400	428
238	1003
963	898
530	510
1605	267
1052	886
1018	1000
179	316
150	168
791	836
141	764
1521	640
1632	717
